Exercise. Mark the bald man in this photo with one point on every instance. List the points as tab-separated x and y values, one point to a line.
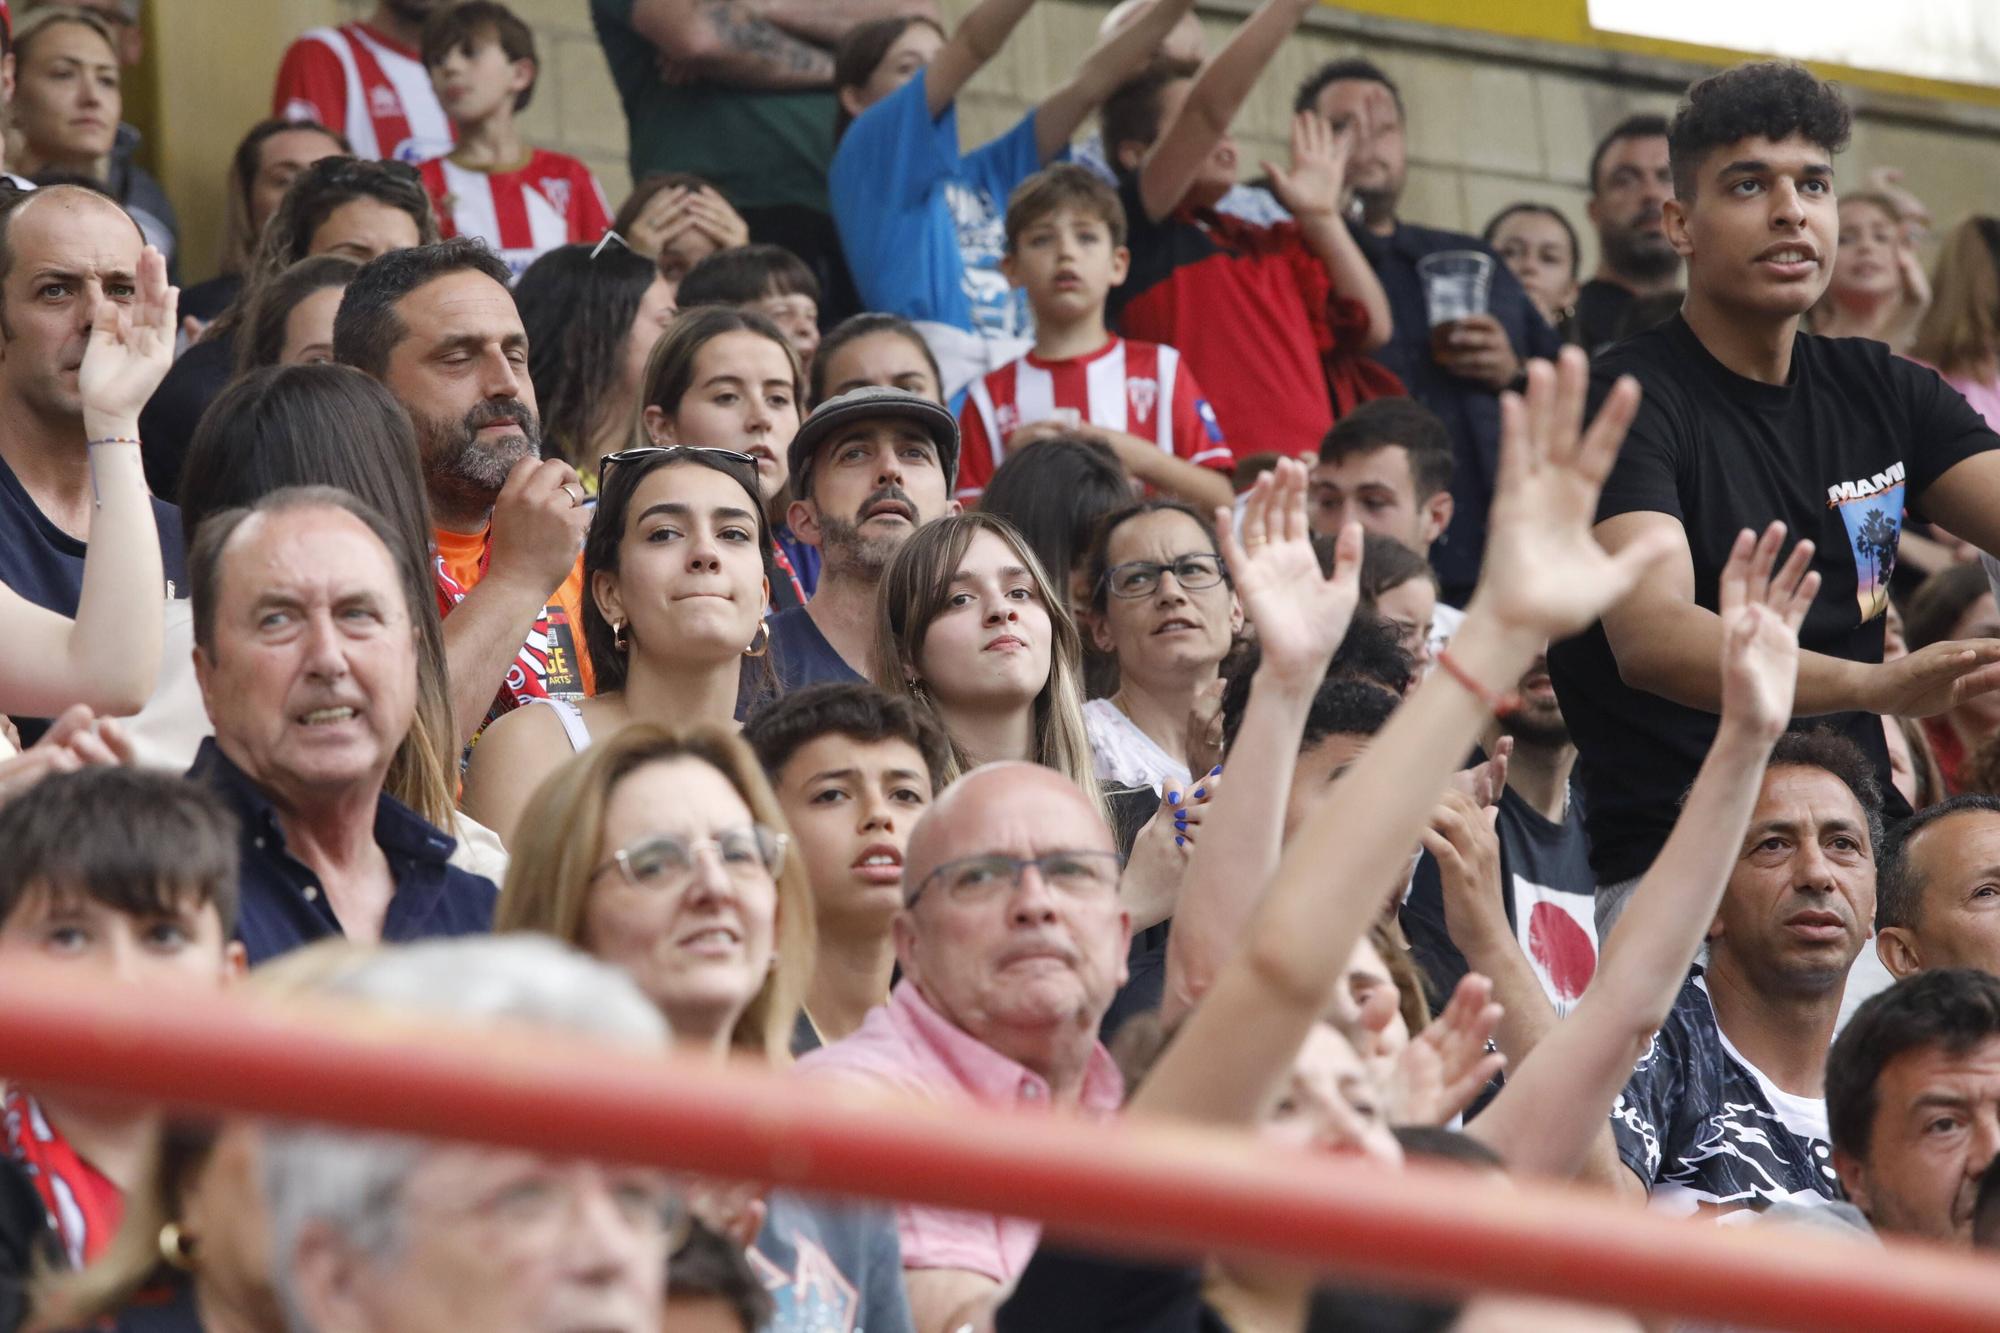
1012	942
62	250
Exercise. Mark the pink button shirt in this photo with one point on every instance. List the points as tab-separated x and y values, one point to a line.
908	1046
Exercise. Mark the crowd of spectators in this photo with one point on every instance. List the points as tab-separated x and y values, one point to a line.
1051	625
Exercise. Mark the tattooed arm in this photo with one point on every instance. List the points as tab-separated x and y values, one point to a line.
825	22
725	41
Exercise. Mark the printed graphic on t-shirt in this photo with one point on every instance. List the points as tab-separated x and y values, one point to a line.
1558	932
1708	1132
1872	509
999	309
817	1298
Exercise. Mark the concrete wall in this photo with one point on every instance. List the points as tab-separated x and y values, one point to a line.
1491	120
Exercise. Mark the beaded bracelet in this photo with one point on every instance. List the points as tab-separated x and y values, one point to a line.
113	439
1495	704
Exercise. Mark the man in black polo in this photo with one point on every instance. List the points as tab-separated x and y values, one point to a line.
307	656
1462	381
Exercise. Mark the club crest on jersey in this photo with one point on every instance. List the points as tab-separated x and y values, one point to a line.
1008	417
1144	391
383	102
555	189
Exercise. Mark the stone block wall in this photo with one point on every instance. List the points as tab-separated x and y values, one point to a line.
1491	120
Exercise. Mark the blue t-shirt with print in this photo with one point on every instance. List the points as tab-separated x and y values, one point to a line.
923	224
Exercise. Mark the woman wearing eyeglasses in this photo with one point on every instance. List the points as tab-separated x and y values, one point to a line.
664	853
674	566
1160	603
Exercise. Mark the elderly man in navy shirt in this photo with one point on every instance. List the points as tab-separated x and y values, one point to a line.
1461	382
307	656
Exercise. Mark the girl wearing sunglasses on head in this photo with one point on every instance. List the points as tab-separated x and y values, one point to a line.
674	568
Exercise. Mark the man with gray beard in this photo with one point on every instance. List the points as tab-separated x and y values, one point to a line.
436	324
868	467
1630	183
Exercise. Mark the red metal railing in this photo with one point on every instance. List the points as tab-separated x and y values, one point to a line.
1140	1187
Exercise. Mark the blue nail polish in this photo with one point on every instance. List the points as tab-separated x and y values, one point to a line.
1173	798
1180	842
1199	792
1215	772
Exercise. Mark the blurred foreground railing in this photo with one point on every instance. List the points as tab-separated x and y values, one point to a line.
1132	1186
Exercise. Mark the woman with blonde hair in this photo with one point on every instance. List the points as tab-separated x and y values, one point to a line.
1959	335
1878	289
665	854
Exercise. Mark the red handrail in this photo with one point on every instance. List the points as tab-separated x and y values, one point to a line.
1140	1187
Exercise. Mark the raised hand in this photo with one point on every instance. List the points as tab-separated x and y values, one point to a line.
131	345
1545	576
1465	845
1300	615
1443	1068
1318	176
1761	614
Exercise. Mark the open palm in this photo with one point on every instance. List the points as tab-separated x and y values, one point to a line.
131	346
1761	613
1301	615
1544	573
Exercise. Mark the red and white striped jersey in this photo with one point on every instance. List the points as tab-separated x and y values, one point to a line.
1139	388
370	88
552	201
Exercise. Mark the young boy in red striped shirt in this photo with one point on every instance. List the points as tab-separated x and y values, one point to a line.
1066	249
520	200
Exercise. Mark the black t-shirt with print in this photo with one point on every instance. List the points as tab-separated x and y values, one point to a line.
1705	1130
1550	896
1835	453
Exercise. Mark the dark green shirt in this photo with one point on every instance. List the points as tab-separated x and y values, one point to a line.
761	149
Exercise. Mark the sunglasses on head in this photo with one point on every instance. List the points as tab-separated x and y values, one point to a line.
741	466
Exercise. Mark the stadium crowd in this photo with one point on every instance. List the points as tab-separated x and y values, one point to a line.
1048	624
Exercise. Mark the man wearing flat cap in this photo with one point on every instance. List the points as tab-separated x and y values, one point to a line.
869	468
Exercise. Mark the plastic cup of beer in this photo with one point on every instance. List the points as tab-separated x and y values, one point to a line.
1456	283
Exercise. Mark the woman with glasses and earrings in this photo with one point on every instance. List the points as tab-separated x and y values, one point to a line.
1161	603
674	569
729	379
593	313
663	852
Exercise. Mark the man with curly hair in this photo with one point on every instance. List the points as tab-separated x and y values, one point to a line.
1746	421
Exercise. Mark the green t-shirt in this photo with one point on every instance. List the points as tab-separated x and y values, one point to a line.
759	148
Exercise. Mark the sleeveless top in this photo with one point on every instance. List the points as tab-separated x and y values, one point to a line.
572	721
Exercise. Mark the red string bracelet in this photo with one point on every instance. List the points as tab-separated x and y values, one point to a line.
1496	704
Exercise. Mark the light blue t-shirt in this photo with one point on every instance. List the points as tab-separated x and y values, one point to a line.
924	225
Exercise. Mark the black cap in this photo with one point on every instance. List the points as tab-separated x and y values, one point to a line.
867	403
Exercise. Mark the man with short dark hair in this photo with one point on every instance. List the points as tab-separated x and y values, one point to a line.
1913	1100
1938	902
868	468
853	769
1459	379
306	653
1630	183
1747	422
1726	1109
438	326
